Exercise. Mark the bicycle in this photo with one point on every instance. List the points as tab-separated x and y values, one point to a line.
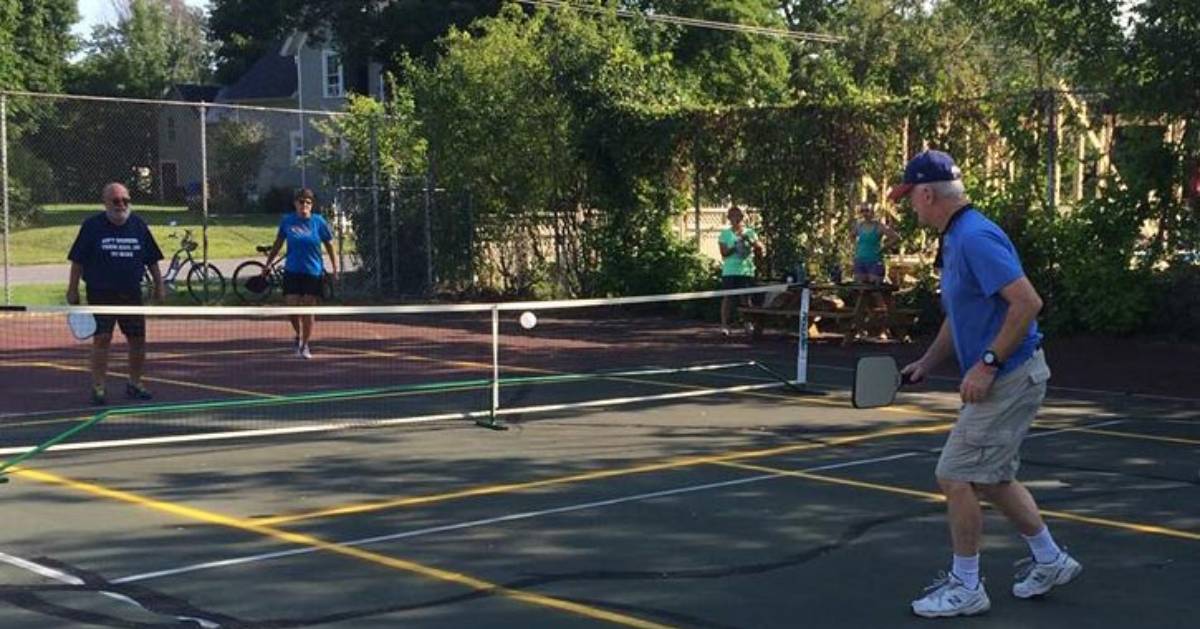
204	281
254	268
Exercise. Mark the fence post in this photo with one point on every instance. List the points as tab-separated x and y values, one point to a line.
696	189
428	225
393	234
374	148
204	193
1051	150
4	185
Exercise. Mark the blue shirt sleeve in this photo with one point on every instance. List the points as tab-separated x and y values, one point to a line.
992	260
323	230
282	231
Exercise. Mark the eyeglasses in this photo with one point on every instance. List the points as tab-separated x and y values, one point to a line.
124	201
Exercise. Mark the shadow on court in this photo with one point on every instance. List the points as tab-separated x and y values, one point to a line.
763	509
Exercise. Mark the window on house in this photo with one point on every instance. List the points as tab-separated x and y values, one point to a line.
334	83
297	150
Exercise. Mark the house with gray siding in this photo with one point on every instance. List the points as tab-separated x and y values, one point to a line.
179	140
300	73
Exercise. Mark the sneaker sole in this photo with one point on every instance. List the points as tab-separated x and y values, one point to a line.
1063	578
987	605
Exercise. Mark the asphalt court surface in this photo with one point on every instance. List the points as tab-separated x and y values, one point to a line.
749	510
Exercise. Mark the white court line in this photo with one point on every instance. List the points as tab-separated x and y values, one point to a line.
55	574
224	563
1108	392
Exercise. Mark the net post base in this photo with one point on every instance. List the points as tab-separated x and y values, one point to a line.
491	423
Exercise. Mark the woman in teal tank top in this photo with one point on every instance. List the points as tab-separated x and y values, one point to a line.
868	246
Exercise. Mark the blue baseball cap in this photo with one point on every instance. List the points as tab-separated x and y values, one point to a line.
926	167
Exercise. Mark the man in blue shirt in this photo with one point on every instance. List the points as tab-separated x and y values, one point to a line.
111	252
991	328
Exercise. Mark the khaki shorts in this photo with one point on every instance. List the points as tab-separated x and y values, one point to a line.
984	445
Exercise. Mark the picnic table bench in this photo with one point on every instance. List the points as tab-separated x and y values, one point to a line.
851	318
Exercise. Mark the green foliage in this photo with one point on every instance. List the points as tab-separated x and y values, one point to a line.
26	173
35	40
371	130
1164	57
726	68
245	30
548	121
1089	265
239	150
1176	311
154	45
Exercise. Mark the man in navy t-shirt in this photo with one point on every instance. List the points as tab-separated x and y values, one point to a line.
991	327
111	252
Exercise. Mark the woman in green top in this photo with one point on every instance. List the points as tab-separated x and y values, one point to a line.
868	246
739	244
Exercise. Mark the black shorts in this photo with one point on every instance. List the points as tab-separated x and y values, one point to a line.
730	282
302	284
132	326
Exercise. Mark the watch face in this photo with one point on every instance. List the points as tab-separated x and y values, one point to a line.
990	359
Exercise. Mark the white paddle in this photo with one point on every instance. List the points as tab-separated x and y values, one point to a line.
82	324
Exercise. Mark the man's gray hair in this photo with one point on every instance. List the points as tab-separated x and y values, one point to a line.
948	190
110	188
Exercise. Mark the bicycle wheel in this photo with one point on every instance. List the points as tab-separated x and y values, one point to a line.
245	271
205	283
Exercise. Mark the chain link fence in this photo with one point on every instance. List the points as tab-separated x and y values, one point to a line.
212	181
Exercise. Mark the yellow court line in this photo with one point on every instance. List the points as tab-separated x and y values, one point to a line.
224	352
1134	435
1137	527
486	490
301	539
158	379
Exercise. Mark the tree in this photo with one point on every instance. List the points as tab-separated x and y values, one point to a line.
1079	40
240	148
729	68
35	41
387	30
153	45
244	30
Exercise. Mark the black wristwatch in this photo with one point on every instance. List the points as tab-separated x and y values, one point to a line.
992	360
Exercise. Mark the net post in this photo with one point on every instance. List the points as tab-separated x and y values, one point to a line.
492	421
4	199
802	344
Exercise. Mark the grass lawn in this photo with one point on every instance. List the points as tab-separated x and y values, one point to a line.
39	295
229	236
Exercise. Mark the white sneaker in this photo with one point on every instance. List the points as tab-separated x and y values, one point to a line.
1035	579
304	352
724	331
949	597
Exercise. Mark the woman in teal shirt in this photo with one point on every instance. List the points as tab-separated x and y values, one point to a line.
739	245
868	246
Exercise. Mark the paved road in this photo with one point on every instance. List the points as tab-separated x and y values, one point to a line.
57	273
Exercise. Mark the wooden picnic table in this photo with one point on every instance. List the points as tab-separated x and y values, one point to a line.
859	310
